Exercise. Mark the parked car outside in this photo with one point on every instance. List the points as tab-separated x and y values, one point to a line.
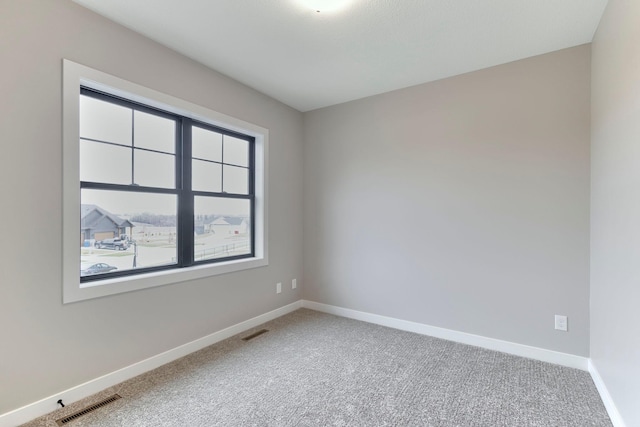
98	268
117	244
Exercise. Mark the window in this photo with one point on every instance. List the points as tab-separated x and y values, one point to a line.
159	189
165	190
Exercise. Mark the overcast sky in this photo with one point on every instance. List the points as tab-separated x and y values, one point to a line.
115	159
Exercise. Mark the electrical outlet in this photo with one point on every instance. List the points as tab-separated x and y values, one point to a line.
278	288
294	283
561	323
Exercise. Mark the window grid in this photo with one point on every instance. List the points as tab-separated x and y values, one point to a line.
185	223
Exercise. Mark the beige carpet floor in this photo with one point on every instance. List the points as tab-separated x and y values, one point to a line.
315	369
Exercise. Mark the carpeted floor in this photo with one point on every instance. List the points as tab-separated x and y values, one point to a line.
315	369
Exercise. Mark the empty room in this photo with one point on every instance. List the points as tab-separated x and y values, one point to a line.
320	213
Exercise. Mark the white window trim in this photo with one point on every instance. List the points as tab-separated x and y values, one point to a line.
76	75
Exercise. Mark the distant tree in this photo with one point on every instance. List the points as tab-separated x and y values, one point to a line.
155	219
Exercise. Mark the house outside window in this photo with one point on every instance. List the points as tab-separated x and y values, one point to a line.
96	224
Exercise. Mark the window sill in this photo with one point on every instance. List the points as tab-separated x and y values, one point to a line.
101	288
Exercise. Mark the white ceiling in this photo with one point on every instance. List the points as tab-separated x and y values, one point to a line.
310	60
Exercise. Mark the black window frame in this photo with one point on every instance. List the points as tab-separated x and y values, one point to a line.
185	219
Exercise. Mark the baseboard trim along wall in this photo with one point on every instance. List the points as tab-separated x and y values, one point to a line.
612	410
48	404
544	355
563	359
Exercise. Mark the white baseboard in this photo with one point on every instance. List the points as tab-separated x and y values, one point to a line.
537	353
46	405
612	410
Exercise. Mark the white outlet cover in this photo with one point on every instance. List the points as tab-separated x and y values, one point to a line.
278	288
294	283
561	322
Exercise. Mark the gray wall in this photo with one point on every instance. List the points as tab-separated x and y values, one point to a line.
47	347
615	206
462	203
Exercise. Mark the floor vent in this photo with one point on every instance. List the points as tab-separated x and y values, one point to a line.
255	334
85	411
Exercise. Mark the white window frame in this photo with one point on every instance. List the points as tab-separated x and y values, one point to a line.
76	75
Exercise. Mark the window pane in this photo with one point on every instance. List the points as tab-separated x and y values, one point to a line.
236	180
206	176
154	132
105	163
104	121
222	227
236	151
154	169
206	144
124	231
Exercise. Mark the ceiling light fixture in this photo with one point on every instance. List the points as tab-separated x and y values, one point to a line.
325	5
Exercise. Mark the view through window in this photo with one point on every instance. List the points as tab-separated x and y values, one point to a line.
159	190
